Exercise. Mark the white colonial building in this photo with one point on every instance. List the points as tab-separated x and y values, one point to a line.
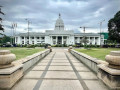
58	36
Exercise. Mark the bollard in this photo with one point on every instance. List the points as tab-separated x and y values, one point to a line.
6	58
110	73
113	59
9	73
70	47
49	47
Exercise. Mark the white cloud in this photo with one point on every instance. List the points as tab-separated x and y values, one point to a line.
43	13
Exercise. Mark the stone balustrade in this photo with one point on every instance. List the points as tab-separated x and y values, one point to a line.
11	71
70	47
87	60
29	61
108	72
6	57
49	47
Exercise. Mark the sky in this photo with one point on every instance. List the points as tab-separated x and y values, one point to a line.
42	14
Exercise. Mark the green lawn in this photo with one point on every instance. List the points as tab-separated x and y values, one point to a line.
99	53
22	52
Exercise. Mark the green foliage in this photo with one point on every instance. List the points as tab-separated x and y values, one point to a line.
30	46
5	39
114	28
91	46
84	40
59	45
22	52
99	53
110	42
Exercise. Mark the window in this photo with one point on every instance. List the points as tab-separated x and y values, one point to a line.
38	37
54	37
32	37
32	42
27	37
22	42
64	37
42	37
22	37
27	42
64	42
90	37
54	42
75	37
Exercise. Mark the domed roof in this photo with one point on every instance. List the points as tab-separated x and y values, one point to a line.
59	25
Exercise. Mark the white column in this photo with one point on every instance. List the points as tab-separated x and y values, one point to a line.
51	40
99	40
78	40
29	39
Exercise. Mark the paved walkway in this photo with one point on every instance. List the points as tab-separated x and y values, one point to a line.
59	71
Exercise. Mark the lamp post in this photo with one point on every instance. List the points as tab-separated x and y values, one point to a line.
14	26
28	29
100	29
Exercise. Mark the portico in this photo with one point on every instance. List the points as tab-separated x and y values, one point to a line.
59	40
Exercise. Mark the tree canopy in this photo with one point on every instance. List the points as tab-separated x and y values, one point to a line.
5	39
114	28
1	26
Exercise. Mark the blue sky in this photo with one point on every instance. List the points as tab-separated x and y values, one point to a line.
43	14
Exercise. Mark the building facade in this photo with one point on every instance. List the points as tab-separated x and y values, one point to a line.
58	36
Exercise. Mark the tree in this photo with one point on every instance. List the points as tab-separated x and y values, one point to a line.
5	39
84	40
1	27
114	28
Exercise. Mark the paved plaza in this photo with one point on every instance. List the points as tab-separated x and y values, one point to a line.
59	70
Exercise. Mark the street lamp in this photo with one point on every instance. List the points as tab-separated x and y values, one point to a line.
28	29
14	26
100	29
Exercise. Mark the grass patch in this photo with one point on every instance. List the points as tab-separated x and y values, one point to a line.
22	52
99	53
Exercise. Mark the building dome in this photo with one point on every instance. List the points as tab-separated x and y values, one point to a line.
59	25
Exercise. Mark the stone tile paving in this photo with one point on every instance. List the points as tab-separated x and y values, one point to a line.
59	71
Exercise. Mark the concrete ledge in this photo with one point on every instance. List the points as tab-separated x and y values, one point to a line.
9	76
10	70
111	77
87	60
29	61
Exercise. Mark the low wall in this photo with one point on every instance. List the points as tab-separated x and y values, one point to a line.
29	61
87	60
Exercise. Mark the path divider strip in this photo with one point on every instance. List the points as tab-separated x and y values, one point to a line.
39	82
77	74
